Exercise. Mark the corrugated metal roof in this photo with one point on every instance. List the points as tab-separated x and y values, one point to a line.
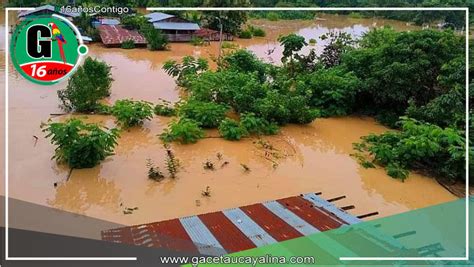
109	21
250	228
226	232
206	243
116	34
322	203
238	229
157	16
290	218
185	26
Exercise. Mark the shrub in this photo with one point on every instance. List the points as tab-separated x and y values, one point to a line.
291	43
130	113
185	131
188	68
338	44
80	145
236	89
256	125
272	16
128	44
333	91
164	108
134	22
395	67
245	61
197	41
207	114
245	34
312	41
90	83
155	38
285	108
231	130
229	45
418	146
257	31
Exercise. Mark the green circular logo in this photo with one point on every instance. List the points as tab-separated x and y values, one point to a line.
46	49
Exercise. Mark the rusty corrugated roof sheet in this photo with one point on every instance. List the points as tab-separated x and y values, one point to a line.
116	34
238	229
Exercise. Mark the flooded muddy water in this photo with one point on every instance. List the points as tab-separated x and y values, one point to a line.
309	158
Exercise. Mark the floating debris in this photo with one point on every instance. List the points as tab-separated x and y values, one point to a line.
245	167
208	165
207	192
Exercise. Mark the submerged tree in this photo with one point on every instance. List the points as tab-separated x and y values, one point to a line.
80	145
89	84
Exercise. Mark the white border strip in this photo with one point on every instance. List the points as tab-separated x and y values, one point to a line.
7	257
261	9
308	8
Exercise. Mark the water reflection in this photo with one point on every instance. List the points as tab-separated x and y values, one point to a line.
86	190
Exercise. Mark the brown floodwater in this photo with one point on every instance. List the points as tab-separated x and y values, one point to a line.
309	158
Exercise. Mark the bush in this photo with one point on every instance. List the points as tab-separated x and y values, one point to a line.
403	66
418	146
291	43
236	89
134	22
272	16
333	91
256	125
80	145
89	84
207	114
185	131
245	61
128	44
312	41
155	38
188	68
197	41
164	108
229	45
257	31
245	34
231	130
281	108
131	113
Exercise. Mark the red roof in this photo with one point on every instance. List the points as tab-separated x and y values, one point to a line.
116	34
238	229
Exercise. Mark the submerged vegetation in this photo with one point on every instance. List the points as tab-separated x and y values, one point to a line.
80	145
413	82
131	113
165	108
387	74
89	84
128	44
185	131
231	130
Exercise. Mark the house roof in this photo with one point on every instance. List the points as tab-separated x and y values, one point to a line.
116	34
157	16
50	8
176	26
238	229
109	22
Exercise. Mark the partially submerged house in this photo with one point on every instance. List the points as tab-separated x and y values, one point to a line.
50	10
115	35
98	21
175	28
47	10
181	30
